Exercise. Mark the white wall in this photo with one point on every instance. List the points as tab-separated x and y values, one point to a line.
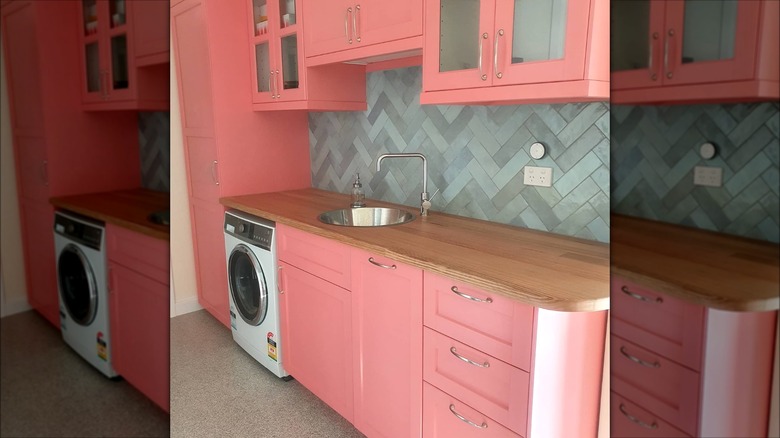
13	295
184	292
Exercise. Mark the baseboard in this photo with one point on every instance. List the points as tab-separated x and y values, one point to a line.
187	305
13	307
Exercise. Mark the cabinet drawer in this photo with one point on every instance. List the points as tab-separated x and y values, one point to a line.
316	255
440	420
628	420
494	387
139	252
666	325
657	384
501	327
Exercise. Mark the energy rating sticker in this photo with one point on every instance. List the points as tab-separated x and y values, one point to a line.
271	346
102	347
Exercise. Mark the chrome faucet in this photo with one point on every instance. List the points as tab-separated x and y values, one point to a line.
425	202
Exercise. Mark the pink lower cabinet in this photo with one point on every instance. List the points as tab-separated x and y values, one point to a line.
680	369
139	296
387	317
316	333
446	416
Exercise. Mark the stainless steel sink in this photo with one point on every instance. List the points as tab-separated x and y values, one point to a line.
366	217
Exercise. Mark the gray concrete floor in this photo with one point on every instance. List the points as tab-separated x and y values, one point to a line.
217	389
48	390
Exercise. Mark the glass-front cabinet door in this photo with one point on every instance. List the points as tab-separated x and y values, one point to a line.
275	51
93	79
636	43
106	51
504	42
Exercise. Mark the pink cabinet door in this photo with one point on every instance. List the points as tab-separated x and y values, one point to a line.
387	324
500	327
210	260
321	257
151	33
33	168
445	416
710	41
203	168
140	332
40	261
317	333
627	420
637	44
328	26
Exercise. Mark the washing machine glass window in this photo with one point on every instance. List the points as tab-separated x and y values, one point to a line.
77	285
248	285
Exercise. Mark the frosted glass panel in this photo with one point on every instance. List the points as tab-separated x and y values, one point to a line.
262	59
119	68
710	30
93	68
459	37
539	30
629	37
290	62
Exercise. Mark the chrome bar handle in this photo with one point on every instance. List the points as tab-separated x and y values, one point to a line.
356	22
278	95
495	54
271	84
45	172
638	360
669	74
455	290
635	420
375	263
279	283
347	17
657	300
650	63
482	37
467	360
466	420
214	172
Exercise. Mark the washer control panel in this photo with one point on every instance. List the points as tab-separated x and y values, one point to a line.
257	231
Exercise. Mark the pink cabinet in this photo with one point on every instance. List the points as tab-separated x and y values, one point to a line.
680	369
42	67
445	416
139	295
387	343
347	30
207	219
511	51
317	333
694	51
280	77
112	73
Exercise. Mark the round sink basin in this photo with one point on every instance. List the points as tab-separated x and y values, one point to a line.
366	217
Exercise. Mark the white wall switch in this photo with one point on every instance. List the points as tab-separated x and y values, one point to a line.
708	176
537	176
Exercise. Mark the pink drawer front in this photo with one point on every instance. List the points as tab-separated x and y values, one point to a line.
316	255
628	420
447	417
139	252
493	387
657	384
671	327
496	325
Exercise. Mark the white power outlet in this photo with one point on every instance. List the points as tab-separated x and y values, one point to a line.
708	176
537	176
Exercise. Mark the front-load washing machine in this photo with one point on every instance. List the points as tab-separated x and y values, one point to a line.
82	284
250	246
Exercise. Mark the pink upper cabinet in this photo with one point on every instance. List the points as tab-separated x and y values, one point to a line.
694	51
488	51
347	30
111	74
280	79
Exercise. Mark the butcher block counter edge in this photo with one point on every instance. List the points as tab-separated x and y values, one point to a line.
711	269
125	208
545	270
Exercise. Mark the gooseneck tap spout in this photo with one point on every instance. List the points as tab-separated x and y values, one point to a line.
425	202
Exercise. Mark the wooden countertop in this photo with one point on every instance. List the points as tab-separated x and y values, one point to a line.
541	269
126	208
712	269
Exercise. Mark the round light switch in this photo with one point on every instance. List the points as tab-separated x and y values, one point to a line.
537	151
707	150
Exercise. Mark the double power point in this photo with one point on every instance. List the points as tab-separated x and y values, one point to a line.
537	176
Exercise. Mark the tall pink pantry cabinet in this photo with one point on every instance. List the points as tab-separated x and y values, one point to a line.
229	148
59	149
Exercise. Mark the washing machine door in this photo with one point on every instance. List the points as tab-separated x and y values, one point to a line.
247	285
78	289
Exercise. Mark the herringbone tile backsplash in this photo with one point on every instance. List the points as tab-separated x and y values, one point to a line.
654	152
155	142
475	156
